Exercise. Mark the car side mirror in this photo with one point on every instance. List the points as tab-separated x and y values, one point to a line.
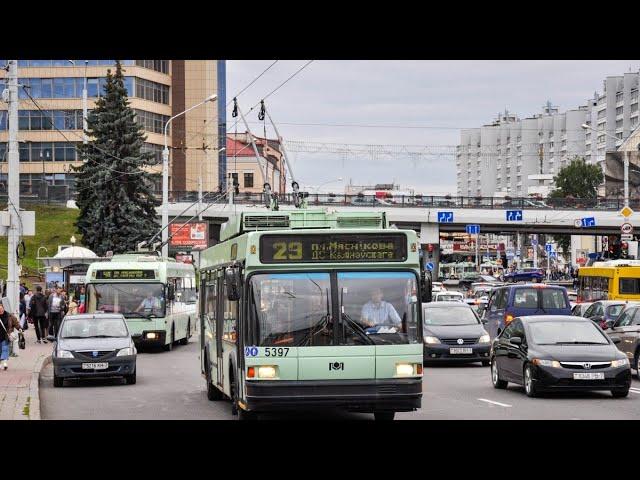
616	339
484	320
515	341
171	292
610	323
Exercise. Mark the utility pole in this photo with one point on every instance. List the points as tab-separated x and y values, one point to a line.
205	151
13	181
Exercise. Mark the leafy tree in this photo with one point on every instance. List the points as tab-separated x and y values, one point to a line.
115	193
578	180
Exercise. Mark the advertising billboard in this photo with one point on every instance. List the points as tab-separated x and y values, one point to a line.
191	236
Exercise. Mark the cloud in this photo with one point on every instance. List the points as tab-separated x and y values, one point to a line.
450	94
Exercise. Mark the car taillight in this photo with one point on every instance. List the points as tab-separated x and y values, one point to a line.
508	318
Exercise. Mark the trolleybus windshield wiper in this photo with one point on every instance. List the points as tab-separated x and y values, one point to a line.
358	329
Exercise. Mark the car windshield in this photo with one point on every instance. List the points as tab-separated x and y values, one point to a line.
133	300
93	328
448	316
566	333
614	310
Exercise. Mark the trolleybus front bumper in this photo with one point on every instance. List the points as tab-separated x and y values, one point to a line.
158	337
399	395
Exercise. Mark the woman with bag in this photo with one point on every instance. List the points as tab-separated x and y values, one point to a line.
6	328
15	335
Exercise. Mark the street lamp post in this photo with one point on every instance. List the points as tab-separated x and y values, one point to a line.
626	162
165	176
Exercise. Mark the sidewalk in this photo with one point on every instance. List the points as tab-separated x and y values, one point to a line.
19	392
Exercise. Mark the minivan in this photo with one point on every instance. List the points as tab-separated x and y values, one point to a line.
509	302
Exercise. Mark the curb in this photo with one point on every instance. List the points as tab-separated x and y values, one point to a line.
34	387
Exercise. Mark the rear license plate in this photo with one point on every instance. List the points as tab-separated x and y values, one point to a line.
95	366
588	376
455	351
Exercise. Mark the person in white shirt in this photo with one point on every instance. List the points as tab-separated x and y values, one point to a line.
378	312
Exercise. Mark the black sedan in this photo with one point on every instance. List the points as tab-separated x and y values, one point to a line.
94	345
453	332
558	353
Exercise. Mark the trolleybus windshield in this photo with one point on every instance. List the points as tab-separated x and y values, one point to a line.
132	300
296	309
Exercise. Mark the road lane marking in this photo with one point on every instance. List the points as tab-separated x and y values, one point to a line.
634	390
495	403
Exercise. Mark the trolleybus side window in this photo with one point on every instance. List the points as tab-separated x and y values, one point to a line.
210	299
629	286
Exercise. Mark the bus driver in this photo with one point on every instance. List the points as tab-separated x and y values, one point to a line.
378	312
149	304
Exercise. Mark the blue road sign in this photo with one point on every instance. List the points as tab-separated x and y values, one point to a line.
548	247
473	229
588	222
430	266
514	215
552	254
534	242
445	217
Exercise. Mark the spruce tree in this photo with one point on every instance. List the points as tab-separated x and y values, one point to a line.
115	193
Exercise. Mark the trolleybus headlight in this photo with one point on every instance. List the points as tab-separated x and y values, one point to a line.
623	362
266	371
64	354
152	335
404	370
428	339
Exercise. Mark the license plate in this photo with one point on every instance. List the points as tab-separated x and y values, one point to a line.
588	376
455	351
95	366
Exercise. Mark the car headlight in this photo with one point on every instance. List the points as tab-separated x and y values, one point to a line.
126	351
64	354
622	362
546	363
431	340
484	339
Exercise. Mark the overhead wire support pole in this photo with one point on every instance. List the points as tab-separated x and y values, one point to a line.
297	199
13	181
266	185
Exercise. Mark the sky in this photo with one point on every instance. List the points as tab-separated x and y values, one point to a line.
416	103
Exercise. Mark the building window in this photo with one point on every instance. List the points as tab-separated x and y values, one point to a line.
619	111
634	107
151	122
152	91
602	114
157	65
155	149
248	180
67	87
44	151
619	123
618	97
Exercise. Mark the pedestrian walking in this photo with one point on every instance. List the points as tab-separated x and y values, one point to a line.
6	328
56	308
14	336
23	313
73	307
27	302
39	314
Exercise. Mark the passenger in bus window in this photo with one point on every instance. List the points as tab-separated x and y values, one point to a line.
378	312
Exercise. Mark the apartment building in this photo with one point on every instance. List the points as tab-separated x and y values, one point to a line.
520	157
50	125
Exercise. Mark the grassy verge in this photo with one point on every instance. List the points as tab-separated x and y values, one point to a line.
54	226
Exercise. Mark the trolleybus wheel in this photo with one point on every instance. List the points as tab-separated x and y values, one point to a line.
384	416
185	340
169	346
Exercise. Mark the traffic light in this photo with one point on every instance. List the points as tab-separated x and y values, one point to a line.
624	250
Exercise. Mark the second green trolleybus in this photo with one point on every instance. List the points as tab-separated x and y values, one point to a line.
313	309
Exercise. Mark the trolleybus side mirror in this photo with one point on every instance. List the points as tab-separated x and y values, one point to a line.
171	293
232	279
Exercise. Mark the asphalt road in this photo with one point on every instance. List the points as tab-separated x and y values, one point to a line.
169	387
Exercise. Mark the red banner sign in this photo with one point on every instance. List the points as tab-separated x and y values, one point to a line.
192	235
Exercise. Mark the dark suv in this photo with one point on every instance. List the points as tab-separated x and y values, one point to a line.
512	301
627	328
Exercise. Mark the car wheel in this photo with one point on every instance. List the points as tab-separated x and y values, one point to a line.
529	385
57	381
185	340
169	346
383	416
130	379
620	393
495	376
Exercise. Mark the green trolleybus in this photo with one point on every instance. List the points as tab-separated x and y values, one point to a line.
313	309
156	296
